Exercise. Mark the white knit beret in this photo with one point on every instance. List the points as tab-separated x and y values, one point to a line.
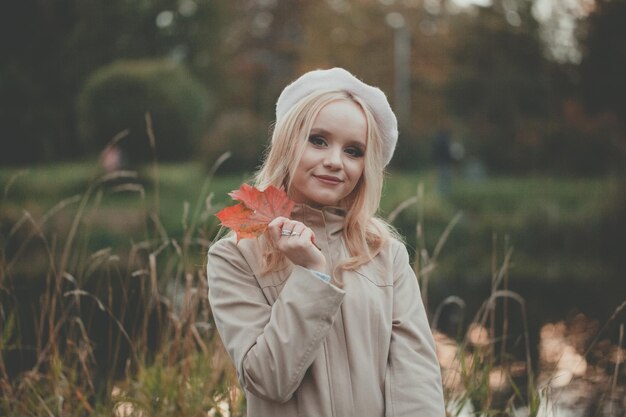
341	80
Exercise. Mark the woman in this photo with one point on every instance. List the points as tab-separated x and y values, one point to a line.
322	315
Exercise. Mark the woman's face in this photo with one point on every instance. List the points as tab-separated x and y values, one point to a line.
334	157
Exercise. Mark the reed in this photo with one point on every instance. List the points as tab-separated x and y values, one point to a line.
111	331
487	368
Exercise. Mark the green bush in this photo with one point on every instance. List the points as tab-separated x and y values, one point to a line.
242	133
117	97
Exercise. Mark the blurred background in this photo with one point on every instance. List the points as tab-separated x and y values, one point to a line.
510	174
527	87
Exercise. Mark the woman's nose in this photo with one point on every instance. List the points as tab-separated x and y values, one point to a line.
333	158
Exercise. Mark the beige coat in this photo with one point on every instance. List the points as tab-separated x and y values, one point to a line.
304	347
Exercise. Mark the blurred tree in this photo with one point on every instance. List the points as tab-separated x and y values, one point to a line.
52	46
603	67
361	36
500	86
603	85
260	50
32	91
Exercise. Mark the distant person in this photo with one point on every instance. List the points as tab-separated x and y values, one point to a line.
322	315
111	158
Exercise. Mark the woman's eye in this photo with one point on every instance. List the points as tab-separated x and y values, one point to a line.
355	152
317	140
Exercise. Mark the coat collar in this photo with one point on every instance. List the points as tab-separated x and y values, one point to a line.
329	218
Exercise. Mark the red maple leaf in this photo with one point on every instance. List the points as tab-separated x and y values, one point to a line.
257	208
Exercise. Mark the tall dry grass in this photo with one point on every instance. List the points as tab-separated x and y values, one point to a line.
111	331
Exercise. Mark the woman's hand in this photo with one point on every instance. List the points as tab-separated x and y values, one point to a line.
296	241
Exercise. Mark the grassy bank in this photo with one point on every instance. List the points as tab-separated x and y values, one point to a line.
566	234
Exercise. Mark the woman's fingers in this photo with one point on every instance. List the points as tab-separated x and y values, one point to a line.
277	222
281	228
290	228
275	227
296	230
297	242
308	236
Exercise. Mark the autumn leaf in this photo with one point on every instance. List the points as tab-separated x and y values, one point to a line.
257	208
240	219
267	204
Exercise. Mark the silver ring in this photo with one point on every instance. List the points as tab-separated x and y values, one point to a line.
295	234
285	233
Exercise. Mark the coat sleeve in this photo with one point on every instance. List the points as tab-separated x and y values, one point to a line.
271	345
413	381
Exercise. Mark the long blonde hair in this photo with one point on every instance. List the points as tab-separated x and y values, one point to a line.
365	234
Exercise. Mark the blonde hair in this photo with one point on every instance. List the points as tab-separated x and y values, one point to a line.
365	234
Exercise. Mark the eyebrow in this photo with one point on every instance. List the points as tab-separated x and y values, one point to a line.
324	132
320	131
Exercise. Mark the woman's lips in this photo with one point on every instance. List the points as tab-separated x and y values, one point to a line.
328	179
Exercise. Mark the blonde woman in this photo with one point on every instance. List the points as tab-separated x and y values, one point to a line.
322	315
